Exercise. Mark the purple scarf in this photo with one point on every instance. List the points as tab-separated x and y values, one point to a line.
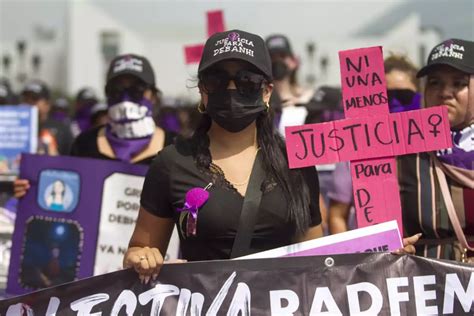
462	153
396	106
125	149
130	128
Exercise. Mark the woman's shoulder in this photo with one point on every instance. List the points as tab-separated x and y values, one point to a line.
178	151
170	137
86	142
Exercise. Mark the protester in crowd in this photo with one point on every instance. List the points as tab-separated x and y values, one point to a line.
99	115
55	137
234	141
6	94
131	134
235	157
289	97
60	110
325	106
436	189
402	86
85	100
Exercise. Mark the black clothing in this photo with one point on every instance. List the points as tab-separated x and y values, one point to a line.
174	172
60	132
85	145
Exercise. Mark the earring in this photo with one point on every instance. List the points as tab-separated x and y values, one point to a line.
201	109
267	106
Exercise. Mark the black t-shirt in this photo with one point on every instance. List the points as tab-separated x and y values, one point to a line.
174	172
85	145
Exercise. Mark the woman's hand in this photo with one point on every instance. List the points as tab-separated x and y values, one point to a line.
408	245
20	187
146	261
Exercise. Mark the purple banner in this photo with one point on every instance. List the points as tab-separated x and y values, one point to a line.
56	229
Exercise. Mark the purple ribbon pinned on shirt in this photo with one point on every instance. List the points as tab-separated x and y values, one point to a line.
194	199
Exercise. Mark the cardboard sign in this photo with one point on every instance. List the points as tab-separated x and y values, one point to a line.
369	137
215	24
359	138
377	238
192	54
376	192
363	85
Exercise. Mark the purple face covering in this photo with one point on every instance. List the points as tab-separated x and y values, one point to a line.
130	128
59	116
400	103
83	117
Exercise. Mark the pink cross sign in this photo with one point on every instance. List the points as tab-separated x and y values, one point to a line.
369	137
215	24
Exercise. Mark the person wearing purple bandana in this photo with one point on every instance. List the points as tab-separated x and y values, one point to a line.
436	186
84	102
131	134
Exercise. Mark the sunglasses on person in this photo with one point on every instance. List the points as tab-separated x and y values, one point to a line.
404	96
247	82
115	92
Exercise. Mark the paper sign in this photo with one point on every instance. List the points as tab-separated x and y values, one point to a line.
363	82
370	137
193	53
359	138
215	22
376	193
376	238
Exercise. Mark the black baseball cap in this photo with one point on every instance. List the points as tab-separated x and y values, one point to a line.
239	45
86	95
326	98
278	43
36	89
131	64
456	53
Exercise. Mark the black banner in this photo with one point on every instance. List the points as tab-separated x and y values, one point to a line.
356	284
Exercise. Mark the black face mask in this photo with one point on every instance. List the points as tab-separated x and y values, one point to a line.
279	70
234	111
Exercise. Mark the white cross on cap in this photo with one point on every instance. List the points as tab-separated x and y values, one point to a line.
129	63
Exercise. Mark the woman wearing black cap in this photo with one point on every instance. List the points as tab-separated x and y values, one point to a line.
234	145
131	134
438	190
228	189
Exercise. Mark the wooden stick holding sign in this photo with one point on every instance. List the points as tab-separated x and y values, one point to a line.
369	137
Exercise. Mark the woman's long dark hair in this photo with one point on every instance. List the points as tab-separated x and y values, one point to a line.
275	164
